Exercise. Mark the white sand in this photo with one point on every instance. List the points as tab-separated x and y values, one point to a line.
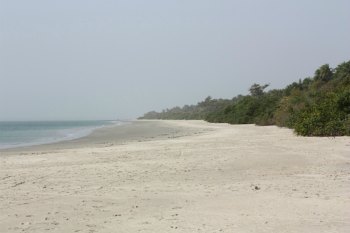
226	179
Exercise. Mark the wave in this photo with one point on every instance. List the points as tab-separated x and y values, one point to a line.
22	134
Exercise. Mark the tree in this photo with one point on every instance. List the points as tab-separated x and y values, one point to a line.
257	90
324	73
318	106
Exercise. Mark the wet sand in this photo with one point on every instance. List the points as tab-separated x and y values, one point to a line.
132	131
179	176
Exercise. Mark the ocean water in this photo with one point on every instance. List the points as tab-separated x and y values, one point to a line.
20	133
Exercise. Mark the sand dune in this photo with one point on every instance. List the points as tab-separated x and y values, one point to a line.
191	177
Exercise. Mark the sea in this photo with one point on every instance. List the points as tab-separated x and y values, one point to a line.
27	133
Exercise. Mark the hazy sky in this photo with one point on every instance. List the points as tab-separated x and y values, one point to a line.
84	59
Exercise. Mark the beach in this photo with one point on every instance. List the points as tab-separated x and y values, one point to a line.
178	176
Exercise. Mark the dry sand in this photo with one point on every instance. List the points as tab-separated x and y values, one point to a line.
179	176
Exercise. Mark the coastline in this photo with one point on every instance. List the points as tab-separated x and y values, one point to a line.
179	176
128	131
65	134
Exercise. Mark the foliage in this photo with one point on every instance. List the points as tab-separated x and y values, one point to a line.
324	118
257	90
315	106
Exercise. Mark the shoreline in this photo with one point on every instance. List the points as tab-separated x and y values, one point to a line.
180	176
83	132
60	143
116	134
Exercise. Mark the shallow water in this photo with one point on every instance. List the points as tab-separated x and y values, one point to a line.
26	133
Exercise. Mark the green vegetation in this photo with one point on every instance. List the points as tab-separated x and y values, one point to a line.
317	106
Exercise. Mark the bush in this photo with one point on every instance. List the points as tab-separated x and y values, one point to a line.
317	106
324	118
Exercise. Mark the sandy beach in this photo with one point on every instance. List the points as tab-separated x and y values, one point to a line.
178	176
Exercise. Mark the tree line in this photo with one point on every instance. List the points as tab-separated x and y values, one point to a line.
314	106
